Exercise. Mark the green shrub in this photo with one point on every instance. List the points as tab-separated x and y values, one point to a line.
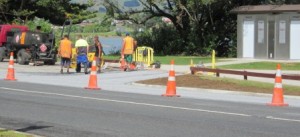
45	24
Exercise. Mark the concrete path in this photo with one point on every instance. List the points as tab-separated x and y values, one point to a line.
123	82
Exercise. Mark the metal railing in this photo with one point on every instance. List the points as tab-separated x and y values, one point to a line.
245	74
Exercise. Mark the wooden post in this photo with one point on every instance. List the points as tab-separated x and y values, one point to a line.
245	75
217	73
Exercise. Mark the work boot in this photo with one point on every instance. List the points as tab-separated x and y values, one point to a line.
86	68
78	68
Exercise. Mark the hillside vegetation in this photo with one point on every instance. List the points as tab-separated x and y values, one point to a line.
98	5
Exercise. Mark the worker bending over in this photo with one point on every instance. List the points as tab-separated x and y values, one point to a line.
82	48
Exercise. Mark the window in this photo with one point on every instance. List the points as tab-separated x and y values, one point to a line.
260	31
282	32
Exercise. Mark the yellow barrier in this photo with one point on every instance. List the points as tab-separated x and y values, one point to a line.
73	60
213	62
144	54
91	57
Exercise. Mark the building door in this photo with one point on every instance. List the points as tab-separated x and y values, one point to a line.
295	40
271	39
248	39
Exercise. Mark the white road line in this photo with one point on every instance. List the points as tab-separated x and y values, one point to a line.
282	119
128	102
147	104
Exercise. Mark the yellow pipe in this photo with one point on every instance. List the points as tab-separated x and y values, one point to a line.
213	63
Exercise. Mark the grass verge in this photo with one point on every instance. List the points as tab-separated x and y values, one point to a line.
263	66
209	82
183	60
179	60
10	133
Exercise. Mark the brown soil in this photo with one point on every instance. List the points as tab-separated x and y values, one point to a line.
193	81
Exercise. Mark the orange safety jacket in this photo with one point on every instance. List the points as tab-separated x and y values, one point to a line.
65	48
128	45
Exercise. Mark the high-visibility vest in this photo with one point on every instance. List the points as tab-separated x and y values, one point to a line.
129	45
65	48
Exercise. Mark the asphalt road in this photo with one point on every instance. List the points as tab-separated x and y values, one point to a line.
55	111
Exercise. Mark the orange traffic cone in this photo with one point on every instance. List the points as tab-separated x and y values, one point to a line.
93	77
171	85
11	70
277	99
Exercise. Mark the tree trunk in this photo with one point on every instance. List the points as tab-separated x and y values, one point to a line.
183	26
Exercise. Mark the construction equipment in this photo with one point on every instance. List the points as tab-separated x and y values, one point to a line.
27	45
69	23
144	55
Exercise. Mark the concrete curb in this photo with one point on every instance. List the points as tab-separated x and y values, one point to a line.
217	91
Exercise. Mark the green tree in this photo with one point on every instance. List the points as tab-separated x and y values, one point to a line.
176	12
45	24
3	10
200	25
55	11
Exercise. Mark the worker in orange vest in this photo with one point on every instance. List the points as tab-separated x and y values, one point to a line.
127	50
65	52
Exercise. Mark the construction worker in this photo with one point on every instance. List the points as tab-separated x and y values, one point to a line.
127	50
82	48
65	52
98	52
